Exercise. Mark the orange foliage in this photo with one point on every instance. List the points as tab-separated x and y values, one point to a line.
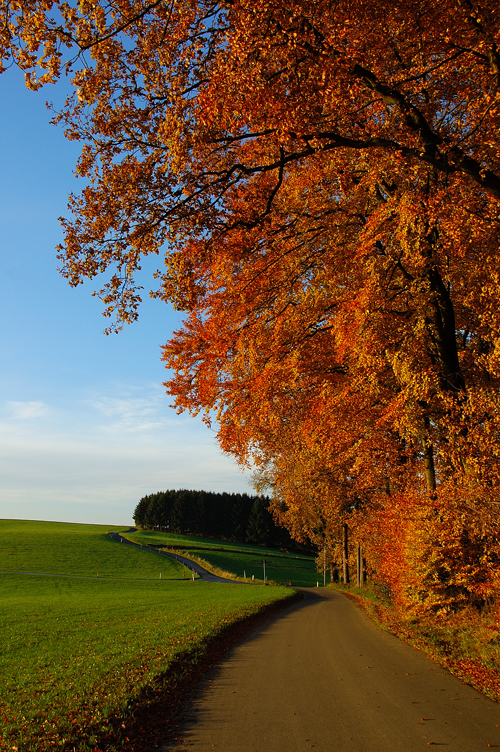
432	552
323	183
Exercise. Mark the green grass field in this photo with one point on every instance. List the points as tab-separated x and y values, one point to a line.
65	548
237	558
77	652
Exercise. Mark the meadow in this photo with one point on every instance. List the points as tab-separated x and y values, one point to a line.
66	548
237	559
78	651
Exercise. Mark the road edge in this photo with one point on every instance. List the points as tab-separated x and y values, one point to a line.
473	673
154	714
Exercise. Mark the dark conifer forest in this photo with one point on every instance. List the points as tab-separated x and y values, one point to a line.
230	516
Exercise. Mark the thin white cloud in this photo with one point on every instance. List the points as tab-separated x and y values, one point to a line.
123	408
131	413
89	481
98	453
26	410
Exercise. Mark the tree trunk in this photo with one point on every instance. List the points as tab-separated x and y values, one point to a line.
441	346
359	567
345	552
430	471
440	324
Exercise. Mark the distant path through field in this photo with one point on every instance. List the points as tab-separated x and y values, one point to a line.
204	574
322	675
192	565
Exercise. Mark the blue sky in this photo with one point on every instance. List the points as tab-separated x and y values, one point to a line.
85	425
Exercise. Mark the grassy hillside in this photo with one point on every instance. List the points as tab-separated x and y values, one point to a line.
77	653
237	558
66	548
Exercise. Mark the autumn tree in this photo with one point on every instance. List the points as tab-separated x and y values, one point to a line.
322	181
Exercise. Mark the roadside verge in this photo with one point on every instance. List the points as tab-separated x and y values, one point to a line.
466	643
153	715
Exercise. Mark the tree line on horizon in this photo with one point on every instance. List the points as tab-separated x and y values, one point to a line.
228	516
322	184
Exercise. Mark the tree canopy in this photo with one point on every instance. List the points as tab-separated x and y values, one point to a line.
322	182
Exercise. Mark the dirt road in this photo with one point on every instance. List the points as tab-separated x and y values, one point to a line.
321	675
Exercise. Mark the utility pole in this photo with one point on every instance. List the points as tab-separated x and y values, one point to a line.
324	565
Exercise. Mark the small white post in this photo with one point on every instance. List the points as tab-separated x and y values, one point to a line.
193	576
244	574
